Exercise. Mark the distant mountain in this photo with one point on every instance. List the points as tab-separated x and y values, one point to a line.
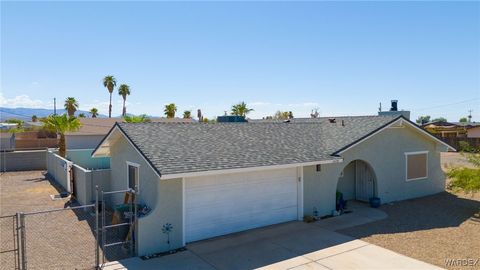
25	114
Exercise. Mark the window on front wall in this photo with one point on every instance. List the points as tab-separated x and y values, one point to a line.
417	165
132	175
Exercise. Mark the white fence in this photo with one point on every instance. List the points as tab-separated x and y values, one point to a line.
85	182
59	168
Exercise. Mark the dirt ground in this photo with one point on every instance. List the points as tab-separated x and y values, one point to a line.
432	229
54	240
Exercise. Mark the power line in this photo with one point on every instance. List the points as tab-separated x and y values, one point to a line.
449	104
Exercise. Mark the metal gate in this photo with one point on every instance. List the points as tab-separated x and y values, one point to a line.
9	242
78	237
118	229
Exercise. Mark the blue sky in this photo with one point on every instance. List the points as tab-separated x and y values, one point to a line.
340	57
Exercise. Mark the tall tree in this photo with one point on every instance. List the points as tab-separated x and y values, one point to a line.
240	109
71	105
170	110
279	115
110	82
439	119
187	114
136	119
61	124
463	120
423	119
124	91
94	112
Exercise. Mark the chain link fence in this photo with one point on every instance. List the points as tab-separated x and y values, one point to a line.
117	235
60	238
78	237
9	252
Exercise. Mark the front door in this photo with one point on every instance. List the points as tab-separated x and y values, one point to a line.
364	181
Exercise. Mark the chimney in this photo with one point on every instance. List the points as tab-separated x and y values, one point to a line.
394	107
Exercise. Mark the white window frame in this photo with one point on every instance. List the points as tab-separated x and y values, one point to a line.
406	165
138	175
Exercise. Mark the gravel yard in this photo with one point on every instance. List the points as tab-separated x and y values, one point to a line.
54	240
432	229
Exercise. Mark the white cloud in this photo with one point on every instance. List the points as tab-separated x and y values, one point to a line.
22	101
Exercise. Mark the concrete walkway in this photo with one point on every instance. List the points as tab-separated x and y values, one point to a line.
293	245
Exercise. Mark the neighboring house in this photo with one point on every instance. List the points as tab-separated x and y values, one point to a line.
7	141
93	130
215	179
474	132
8	126
445	129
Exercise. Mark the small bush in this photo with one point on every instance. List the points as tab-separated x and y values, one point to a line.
465	179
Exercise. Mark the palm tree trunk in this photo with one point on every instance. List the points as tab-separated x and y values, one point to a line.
110	107
61	145
124	108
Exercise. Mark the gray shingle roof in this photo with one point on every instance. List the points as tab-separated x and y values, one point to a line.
180	148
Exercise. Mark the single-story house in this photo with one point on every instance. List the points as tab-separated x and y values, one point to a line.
445	129
93	130
208	180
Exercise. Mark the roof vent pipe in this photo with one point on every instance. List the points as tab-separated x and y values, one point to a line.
343	123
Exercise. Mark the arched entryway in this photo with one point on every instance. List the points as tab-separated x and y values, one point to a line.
357	182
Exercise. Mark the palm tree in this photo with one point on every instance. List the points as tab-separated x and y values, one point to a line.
240	109
71	105
124	91
61	124
94	112
170	110
34	118
110	82
187	114
136	119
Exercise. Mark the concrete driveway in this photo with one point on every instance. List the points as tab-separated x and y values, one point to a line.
293	245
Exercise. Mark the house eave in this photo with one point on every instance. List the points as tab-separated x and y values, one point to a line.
249	169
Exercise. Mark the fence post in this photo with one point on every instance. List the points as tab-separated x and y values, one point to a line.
135	222
97	248
23	242
17	239
103	229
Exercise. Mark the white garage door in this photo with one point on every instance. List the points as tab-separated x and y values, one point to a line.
223	204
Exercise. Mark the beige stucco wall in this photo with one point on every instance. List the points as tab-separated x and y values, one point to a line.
385	152
164	197
473	132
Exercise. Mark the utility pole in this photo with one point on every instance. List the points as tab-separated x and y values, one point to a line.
54	106
470	116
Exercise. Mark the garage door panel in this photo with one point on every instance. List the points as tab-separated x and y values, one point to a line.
207	196
235	223
223	204
231	209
